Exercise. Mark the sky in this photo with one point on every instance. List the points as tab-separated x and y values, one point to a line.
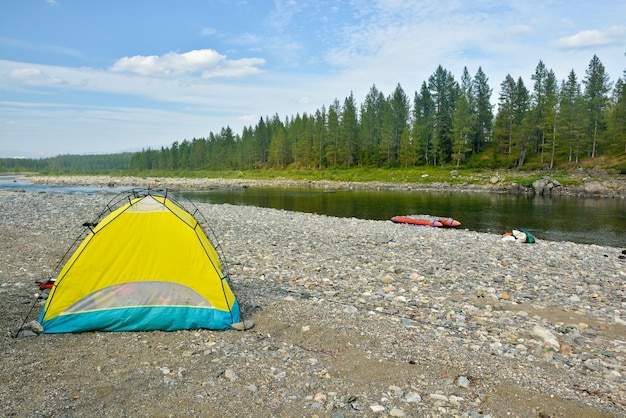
92	77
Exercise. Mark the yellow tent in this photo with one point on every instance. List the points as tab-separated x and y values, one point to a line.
146	265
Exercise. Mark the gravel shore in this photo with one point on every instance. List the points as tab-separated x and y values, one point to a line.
604	186
352	318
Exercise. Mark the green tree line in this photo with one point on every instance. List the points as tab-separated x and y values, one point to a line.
446	122
69	164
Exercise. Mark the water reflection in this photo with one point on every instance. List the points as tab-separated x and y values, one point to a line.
591	221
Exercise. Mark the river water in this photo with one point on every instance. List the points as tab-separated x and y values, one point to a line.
598	221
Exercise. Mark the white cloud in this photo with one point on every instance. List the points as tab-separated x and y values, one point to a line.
208	62
235	68
591	38
227	100
33	76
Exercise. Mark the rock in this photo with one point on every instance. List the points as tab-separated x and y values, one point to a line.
413	397
613	375
349	398
320	398
243	325
545	186
546	336
230	375
317	405
438	397
594	187
376	408
396	412
351	310
463	382
387	279
593	365
33	326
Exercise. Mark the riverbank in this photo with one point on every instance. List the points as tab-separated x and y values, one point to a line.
610	187
373	319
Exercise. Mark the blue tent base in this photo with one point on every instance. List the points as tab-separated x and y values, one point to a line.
144	318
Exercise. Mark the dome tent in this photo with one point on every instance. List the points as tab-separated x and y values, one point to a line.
144	264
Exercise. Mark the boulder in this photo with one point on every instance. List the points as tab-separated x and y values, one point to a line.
595	187
545	186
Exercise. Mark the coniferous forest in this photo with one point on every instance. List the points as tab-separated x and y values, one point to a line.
448	121
451	122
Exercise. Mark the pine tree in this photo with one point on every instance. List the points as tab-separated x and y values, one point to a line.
484	110
407	153
262	139
444	91
462	127
505	118
597	87
370	127
332	147
400	107
350	148
617	117
571	108
319	137
463	119
549	122
423	122
387	154
295	138
278	148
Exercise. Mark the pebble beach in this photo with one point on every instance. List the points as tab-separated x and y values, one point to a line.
353	318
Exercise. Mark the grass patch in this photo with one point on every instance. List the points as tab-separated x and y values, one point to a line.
422	175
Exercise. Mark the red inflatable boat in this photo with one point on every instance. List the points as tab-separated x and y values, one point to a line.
426	220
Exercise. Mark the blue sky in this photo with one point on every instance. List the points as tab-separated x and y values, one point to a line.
95	76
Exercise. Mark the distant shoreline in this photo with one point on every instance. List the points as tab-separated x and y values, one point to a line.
611	188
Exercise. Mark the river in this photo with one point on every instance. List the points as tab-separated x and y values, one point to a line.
598	221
